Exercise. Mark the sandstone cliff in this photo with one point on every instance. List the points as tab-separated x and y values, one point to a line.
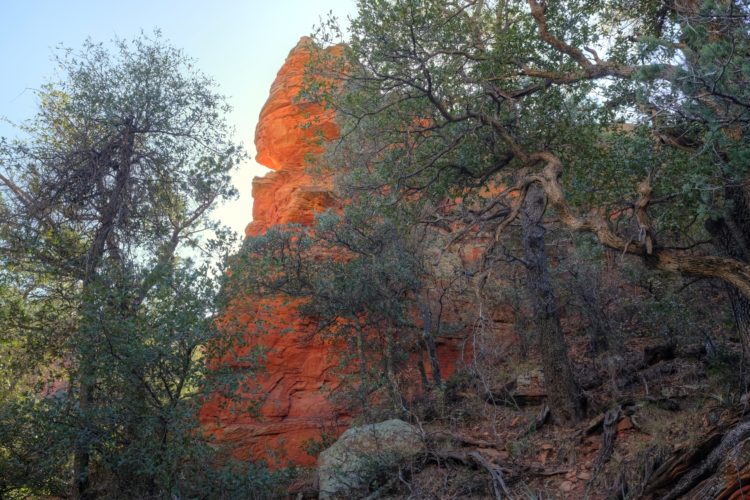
288	135
299	368
298	365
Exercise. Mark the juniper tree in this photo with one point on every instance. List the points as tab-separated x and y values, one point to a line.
624	120
110	254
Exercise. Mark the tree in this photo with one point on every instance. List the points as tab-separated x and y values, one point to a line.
360	280
108	243
612	109
427	153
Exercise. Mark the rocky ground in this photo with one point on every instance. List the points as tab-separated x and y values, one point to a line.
658	428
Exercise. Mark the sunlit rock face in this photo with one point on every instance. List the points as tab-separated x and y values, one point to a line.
288	135
299	367
300	370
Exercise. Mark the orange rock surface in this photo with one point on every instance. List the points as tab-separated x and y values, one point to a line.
299	367
287	136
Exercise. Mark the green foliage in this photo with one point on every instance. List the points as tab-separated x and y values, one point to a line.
313	446
440	98
443	105
112	267
108	307
359	278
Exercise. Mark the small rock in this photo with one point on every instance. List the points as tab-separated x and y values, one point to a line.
584	476
494	455
566	486
624	425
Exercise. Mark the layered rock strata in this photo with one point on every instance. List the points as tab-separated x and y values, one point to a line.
299	368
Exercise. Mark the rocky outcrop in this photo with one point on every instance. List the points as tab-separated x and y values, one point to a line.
361	453
299	370
289	134
298	367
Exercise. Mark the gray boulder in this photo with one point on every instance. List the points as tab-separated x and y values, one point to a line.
348	466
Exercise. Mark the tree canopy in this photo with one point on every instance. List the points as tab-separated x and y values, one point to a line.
631	116
112	265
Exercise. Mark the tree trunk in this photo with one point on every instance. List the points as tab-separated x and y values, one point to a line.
108	220
429	341
598	321
589	286
390	371
731	235
81	455
423	373
562	390
363	389
727	269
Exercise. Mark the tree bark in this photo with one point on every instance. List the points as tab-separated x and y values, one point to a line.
731	235
593	309
363	388
108	219
81	456
429	341
562	390
732	271
390	371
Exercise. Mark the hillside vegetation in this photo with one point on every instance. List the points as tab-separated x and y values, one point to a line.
514	234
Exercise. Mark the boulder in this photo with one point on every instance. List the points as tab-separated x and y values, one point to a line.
361	453
527	389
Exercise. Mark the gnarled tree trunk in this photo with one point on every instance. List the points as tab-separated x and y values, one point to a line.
731	235
429	342
562	390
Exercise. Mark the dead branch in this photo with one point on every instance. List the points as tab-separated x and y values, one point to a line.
681	465
496	473
608	438
646	233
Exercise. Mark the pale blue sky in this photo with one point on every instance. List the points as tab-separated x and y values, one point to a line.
241	44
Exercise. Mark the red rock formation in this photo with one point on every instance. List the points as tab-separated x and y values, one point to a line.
299	367
285	143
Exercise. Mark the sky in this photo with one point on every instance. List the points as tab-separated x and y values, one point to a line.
239	43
